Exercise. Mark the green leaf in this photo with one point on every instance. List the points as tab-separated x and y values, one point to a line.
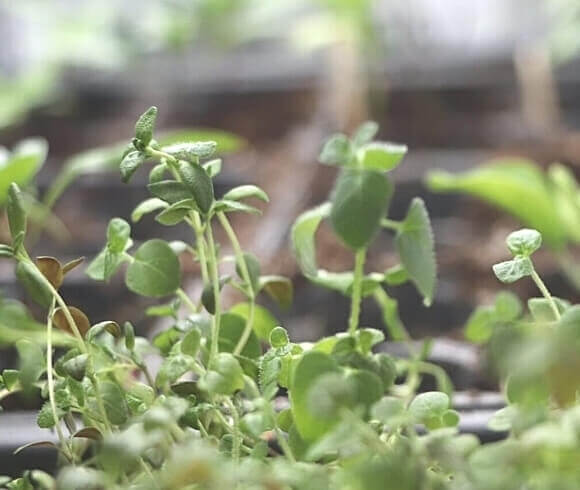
22	165
415	245
16	215
170	191
31	363
336	151
359	201
270	365
524	242
264	322
172	369
279	288
330	393
145	126
225	376
429	405
226	142
176	212
388	409
541	309
45	417
279	337
302	233
213	167
130	163
225	206
508	306
191	342
381	156
76	367
198	182
155	270
244	192
368	387
157	173
512	270
480	325
311	425
105	264
34	283
396	275
515	185
365	133
147	206
191	152
232	326
253	268
114	402
118	233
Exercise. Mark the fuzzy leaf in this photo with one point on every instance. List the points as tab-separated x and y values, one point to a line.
359	201
303	231
311	366
524	242
512	270
145	126
170	191
336	151
155	270
279	288
198	182
416	248
381	156
244	192
130	163
147	206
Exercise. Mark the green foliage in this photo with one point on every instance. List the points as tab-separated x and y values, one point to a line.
209	416
154	270
362	194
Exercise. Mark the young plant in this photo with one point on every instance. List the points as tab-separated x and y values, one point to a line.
234	402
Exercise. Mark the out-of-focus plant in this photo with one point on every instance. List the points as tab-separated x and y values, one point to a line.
547	201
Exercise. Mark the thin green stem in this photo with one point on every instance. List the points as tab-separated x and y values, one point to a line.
212	258
390	309
391	224
544	290
186	300
247	329
356	297
200	245
245	273
286	449
50	378
82	346
236	430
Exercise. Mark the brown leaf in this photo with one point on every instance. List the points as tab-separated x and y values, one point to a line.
51	269
69	266
89	433
80	319
36	444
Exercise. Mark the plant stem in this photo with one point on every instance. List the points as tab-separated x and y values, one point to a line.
356	295
186	300
395	327
200	245
212	259
241	260
50	377
391	224
82	346
236	430
544	290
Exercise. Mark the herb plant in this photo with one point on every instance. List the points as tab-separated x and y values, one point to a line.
235	403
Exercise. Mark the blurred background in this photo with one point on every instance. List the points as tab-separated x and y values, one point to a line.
459	82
